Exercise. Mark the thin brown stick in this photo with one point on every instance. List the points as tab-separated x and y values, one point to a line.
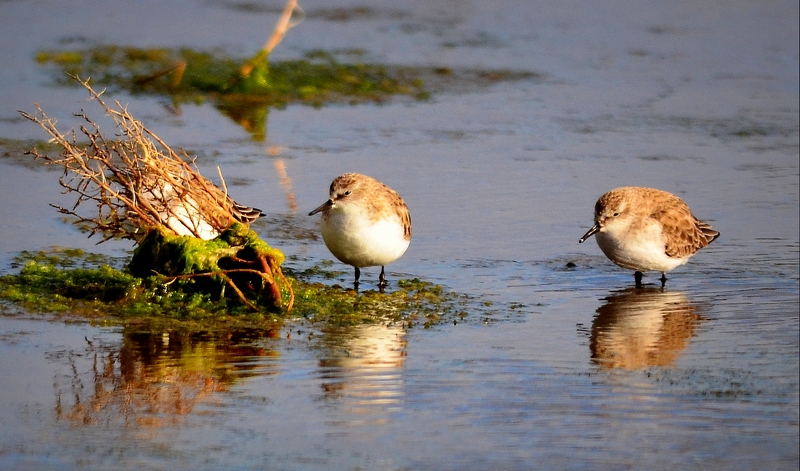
281	27
224	275
288	286
239	292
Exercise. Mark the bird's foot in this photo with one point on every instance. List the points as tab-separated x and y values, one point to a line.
382	281
637	277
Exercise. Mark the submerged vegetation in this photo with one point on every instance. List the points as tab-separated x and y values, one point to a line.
319	78
74	283
244	89
188	76
239	86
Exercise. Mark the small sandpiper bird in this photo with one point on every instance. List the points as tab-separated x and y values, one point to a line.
364	223
645	229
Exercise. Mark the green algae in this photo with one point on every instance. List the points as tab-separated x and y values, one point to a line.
183	255
82	285
244	89
188	76
414	303
114	295
236	258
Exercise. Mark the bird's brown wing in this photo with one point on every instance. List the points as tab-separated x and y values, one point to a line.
684	234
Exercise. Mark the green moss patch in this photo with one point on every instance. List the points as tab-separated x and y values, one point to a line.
193	76
237	259
414	303
244	89
73	283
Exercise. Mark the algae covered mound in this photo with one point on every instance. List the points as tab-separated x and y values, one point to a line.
186	228
73	283
237	259
180	277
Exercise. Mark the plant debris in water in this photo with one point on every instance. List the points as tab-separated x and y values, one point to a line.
185	226
319	78
73	283
188	76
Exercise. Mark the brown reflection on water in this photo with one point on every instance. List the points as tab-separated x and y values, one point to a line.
361	368
153	379
640	327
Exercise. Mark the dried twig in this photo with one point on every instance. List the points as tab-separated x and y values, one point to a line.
281	27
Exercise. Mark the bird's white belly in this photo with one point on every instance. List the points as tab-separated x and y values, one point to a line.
357	241
643	252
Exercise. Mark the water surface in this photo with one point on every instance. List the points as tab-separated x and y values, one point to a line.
695	98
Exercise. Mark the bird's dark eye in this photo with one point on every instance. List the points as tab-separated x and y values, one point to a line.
347	193
616	214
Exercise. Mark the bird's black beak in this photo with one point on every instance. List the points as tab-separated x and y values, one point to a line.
322	207
589	233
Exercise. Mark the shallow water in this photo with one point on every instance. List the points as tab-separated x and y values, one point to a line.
691	97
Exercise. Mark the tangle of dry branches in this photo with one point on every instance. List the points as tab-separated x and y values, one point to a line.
140	186
136	181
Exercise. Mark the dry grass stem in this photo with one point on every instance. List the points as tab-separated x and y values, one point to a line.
283	25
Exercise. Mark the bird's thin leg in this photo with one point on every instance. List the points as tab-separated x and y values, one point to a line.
637	277
358	276
382	278
663	279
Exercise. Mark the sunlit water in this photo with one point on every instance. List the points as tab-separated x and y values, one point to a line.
696	98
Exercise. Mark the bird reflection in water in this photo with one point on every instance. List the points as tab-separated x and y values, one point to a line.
153	379
640	327
361	367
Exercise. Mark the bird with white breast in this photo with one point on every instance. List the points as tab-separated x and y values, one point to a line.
364	223
645	229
